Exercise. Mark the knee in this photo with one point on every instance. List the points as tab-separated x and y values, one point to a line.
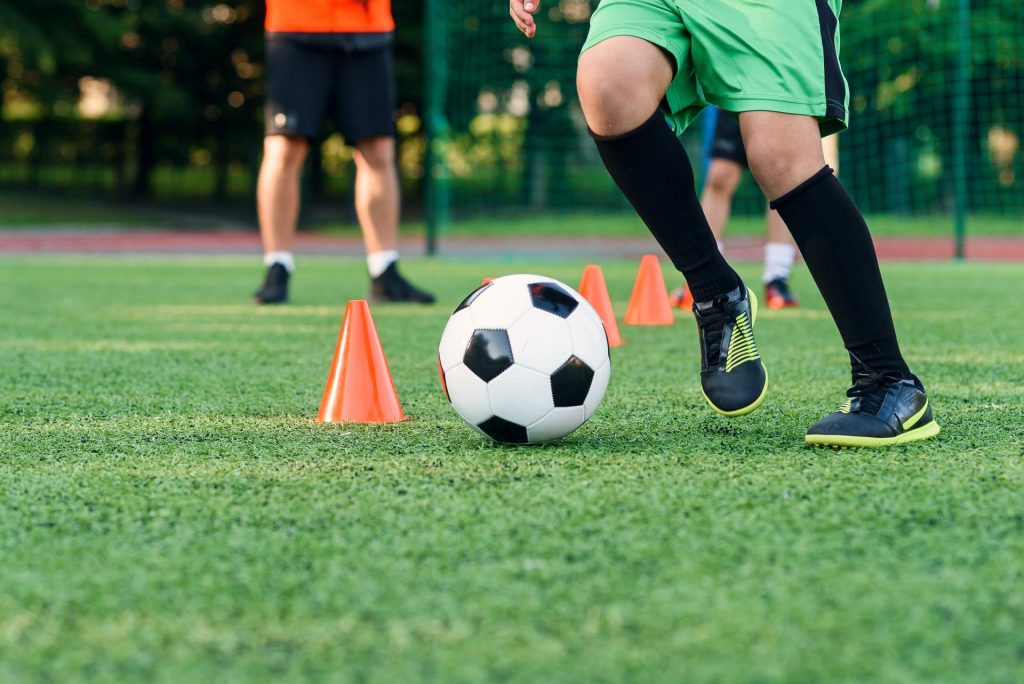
376	153
618	93
767	158
722	179
284	152
599	89
779	162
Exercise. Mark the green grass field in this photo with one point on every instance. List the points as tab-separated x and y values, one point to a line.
169	512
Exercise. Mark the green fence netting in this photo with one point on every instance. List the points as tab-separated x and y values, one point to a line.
936	122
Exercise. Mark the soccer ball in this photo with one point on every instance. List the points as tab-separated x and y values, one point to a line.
524	359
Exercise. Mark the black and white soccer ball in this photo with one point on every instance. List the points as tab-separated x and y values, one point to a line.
524	359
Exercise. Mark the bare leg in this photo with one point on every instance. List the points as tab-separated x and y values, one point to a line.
777	231
723	179
621	82
779	256
779	168
780	252
830	146
784	150
277	191
377	193
377	202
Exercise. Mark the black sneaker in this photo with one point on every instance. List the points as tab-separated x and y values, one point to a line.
390	286
880	410
732	376
275	286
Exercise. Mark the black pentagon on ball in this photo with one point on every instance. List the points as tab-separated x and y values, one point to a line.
471	298
501	430
553	298
570	384
489	353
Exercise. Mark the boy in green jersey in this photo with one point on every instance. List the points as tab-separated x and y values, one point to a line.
647	69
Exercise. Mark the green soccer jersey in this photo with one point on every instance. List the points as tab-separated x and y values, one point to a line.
742	55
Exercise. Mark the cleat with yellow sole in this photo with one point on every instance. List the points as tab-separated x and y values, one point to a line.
879	411
732	376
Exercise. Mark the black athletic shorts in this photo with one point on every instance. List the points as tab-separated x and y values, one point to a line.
728	143
308	81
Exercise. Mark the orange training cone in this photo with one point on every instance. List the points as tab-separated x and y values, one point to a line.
594	290
682	298
485	281
649	303
359	385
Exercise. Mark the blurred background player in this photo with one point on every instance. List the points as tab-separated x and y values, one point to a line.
728	162
331	58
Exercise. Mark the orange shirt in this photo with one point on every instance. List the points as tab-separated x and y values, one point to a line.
329	16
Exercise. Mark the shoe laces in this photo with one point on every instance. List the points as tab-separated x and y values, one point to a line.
870	388
712	323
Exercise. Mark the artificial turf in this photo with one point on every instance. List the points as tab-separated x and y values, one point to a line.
169	512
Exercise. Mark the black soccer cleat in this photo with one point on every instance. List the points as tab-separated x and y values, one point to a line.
880	410
275	286
390	286
732	376
777	295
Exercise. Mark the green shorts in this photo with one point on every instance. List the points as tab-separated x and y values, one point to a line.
742	55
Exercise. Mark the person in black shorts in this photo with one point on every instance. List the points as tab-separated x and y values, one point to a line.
331	59
725	172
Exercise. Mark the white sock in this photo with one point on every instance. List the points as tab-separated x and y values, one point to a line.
286	259
778	260
721	246
378	262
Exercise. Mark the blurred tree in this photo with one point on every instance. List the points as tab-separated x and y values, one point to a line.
191	72
189	76
901	58
45	47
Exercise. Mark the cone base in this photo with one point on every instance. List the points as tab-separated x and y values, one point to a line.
328	421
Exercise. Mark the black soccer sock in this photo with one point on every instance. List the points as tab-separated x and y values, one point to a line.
836	245
651	168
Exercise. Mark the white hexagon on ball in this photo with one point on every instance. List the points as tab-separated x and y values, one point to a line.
598	386
541	341
521	395
558	423
468	394
455	338
589	340
501	303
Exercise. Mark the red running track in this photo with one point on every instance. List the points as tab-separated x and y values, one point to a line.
246	242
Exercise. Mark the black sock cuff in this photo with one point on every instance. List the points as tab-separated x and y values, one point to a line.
825	172
653	121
